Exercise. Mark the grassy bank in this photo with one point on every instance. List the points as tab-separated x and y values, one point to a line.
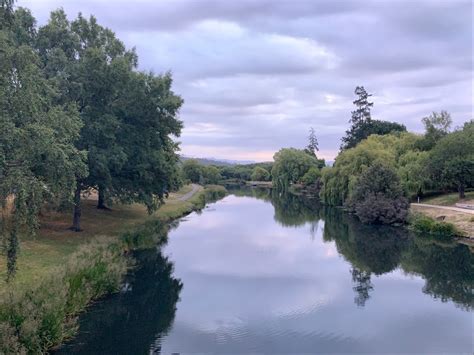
449	199
60	272
428	227
462	221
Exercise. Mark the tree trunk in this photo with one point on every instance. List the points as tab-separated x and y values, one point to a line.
101	199
461	191
76	222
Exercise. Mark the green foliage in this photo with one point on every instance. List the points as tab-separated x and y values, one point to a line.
425	226
451	161
129	117
311	177
38	159
364	129
340	180
378	197
412	170
260	174
436	127
243	172
211	174
35	320
192	170
362	124
290	166
313	145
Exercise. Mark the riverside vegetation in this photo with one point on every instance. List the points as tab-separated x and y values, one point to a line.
39	313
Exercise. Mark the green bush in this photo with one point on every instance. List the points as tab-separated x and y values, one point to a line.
311	177
425	226
378	197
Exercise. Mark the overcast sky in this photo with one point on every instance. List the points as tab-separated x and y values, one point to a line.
256	75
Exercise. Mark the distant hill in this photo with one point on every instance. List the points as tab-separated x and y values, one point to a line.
218	162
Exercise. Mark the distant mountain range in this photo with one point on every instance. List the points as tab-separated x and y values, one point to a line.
218	162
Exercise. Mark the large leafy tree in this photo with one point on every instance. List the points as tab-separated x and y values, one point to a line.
147	110
452	159
89	64
128	117
38	159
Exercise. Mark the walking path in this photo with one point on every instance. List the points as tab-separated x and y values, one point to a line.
191	193
457	209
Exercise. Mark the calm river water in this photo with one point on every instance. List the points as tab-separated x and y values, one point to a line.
256	273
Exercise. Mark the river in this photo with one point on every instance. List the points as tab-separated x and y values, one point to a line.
259	272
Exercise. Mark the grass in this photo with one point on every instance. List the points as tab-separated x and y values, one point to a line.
426	226
61	271
55	243
449	199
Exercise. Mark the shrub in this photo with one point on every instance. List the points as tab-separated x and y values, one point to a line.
378	197
425	226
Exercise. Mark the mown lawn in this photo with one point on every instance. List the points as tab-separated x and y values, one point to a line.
54	243
449	199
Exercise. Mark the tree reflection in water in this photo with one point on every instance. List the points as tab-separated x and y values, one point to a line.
448	269
135	320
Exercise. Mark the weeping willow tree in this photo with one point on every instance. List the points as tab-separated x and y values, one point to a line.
38	160
290	166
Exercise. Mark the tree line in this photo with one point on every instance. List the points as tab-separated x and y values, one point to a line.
381	166
76	114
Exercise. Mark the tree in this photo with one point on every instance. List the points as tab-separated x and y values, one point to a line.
412	170
378	197
147	111
312	146
363	106
211	174
38	160
260	174
192	170
452	159
128	117
363	130
289	167
362	124
436	127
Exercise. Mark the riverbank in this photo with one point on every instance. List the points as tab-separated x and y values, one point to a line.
60	272
443	208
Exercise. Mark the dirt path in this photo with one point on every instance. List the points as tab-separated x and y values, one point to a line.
190	194
456	209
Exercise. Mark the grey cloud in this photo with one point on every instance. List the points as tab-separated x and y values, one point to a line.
257	74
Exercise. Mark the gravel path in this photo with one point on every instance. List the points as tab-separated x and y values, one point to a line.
190	194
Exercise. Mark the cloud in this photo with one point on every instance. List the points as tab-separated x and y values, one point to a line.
255	75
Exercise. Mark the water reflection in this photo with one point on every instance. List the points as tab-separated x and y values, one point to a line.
448	268
135	320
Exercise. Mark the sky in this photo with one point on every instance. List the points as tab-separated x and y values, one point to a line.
256	75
